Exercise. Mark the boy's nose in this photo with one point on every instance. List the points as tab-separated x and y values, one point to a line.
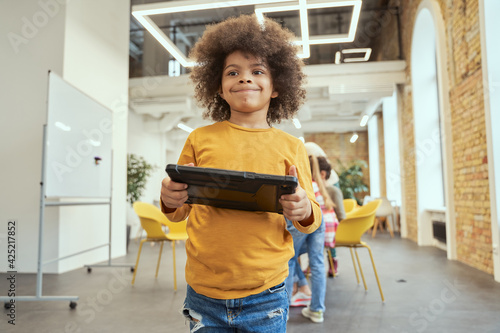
245	80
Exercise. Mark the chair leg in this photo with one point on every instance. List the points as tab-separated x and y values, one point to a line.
137	261
175	272
159	259
375	226
376	274
389	227
330	260
138	235
354	265
360	269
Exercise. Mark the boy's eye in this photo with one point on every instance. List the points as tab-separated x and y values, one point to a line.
232	73
258	72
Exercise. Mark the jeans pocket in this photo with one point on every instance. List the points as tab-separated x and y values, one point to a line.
277	288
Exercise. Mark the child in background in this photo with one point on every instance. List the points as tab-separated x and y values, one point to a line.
331	220
315	244
248	78
334	191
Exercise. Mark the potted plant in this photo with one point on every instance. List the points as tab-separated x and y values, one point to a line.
351	179
138	172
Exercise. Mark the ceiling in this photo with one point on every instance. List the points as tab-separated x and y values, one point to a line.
337	95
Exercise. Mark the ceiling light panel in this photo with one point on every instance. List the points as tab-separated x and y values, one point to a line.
142	13
316	4
367	53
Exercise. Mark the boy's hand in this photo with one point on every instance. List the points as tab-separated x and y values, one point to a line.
173	195
296	206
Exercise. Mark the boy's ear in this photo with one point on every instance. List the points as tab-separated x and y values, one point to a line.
221	94
274	94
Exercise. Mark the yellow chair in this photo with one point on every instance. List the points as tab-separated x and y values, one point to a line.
349	234
152	221
350	205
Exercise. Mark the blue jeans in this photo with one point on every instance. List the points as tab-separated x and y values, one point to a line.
299	276
315	245
264	312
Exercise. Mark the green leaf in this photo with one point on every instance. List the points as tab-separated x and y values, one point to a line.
351	178
138	171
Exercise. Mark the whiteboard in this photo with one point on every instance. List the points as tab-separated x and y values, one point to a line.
78	145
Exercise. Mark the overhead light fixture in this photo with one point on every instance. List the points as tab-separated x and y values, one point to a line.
367	53
304	24
297	123
307	40
364	120
184	127
142	13
304	29
337	57
354	137
181	6
301	138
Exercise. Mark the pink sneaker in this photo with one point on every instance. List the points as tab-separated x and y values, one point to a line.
300	299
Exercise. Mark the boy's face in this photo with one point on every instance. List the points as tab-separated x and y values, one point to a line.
247	84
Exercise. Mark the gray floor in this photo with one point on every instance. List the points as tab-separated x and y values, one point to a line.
424	292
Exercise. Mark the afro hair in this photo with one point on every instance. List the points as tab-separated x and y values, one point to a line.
269	42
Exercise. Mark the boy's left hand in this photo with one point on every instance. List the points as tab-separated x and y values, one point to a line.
296	206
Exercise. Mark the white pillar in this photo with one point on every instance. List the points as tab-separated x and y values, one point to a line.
373	153
491	81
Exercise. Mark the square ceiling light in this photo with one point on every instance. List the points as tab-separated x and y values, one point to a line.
303	6
142	13
367	53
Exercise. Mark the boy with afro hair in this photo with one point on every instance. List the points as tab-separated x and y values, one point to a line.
248	77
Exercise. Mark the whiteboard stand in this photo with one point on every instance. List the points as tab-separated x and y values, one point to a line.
109	264
39	274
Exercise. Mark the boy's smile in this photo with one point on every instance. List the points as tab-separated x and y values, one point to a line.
247	86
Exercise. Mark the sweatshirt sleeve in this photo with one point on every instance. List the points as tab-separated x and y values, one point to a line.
338	200
305	181
187	156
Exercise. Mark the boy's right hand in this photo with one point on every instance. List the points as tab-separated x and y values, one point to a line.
173	195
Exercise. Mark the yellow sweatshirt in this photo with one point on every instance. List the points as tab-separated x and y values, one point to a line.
231	253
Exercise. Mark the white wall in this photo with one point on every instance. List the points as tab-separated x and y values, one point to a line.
89	49
426	114
150	146
428	157
23	92
96	61
391	147
157	148
490	26
493	53
373	153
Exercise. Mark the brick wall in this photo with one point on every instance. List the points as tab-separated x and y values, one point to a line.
467	115
338	146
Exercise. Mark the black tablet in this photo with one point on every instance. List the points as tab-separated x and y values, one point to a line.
233	189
